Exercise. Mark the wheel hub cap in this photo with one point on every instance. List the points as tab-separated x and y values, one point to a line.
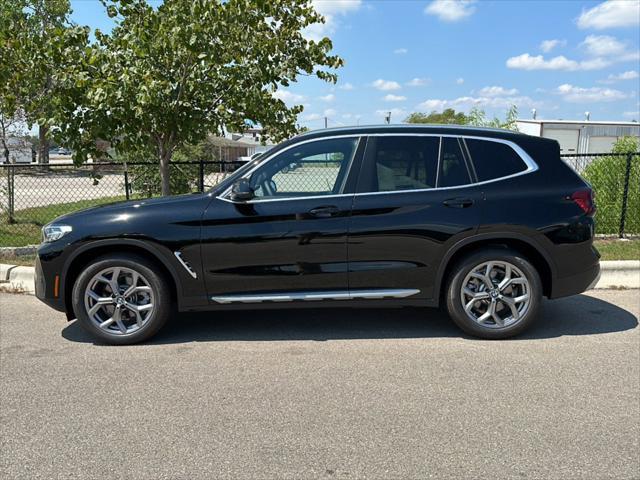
495	294
119	300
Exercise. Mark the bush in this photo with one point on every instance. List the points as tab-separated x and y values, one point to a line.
607	176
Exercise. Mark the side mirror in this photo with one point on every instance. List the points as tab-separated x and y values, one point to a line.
242	191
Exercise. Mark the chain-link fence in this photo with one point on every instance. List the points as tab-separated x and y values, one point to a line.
33	195
615	179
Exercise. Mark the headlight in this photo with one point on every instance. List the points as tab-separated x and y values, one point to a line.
53	232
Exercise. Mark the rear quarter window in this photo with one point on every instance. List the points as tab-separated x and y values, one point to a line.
493	160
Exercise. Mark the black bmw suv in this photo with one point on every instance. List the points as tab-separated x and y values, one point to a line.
484	222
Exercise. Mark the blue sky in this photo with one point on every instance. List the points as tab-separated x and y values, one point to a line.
561	57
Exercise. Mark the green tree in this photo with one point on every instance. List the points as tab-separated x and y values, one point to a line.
607	177
448	116
166	77
34	38
478	118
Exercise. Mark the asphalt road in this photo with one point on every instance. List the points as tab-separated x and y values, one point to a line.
334	394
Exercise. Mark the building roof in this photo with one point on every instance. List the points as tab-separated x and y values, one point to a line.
583	122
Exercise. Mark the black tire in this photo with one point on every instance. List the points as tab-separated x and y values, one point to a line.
454	300
151	274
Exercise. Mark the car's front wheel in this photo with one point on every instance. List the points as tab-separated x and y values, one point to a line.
121	299
494	293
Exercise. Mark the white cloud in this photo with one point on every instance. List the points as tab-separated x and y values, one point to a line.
349	116
482	102
459	81
330	9
346	86
330	112
394	98
451	10
538	62
386	85
610	14
631	114
433	104
400	51
630	75
547	45
287	96
328	98
418	82
602	45
496	91
311	117
573	94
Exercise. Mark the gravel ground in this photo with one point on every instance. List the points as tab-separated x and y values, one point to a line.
334	394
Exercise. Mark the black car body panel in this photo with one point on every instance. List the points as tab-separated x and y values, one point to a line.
349	239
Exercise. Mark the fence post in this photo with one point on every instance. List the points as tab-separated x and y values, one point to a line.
11	185
625	195
201	176
126	183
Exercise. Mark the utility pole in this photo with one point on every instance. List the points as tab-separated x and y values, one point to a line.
387	118
325	122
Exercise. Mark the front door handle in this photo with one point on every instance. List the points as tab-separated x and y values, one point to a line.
324	212
458	203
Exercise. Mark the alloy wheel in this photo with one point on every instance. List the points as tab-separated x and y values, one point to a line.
496	294
119	300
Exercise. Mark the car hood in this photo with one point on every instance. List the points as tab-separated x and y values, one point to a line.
138	206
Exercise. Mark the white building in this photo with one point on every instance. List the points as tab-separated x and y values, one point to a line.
580	136
20	151
252	137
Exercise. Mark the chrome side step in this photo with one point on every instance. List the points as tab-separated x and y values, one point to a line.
311	296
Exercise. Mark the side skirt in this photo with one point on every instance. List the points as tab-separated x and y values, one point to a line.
313	296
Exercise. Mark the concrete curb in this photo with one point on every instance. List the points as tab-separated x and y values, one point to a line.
619	274
613	274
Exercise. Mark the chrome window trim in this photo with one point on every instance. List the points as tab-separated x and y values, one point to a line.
531	165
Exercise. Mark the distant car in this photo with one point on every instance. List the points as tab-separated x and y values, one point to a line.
485	222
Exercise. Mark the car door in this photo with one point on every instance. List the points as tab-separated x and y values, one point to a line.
415	198
289	241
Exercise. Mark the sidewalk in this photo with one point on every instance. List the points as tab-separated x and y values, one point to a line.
614	274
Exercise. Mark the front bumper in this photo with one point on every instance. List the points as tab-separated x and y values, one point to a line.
45	287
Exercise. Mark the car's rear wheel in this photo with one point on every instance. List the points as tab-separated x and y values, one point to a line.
494	293
121	299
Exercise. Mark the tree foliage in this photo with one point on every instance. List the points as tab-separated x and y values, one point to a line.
167	76
607	177
476	117
37	45
447	116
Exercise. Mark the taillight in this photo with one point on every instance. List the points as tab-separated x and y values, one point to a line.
585	199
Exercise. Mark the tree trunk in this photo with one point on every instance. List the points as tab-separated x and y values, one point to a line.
165	158
43	147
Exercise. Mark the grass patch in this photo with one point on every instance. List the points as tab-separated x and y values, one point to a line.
616	249
29	221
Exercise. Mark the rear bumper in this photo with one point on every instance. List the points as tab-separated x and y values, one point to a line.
576	283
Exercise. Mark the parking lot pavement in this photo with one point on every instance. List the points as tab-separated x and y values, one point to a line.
324	394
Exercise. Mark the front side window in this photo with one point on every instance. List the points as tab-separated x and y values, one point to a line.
313	168
402	163
493	160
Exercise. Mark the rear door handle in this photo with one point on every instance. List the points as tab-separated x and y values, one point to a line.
458	202
324	212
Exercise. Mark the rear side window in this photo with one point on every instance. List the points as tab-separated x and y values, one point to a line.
494	160
404	163
453	168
